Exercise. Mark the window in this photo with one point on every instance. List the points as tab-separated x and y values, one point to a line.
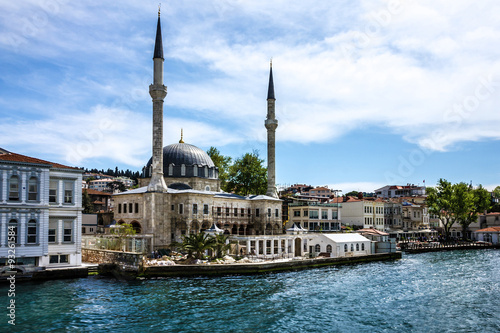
14	188
136	208
52	231
172	207
314	214
195	209
130	208
170	169
352	247
219	211
296	213
12	232
324	215
58	259
329	248
227	211
205	209
119	208
317	248
242	211
68	232
236	212
183	169
249	211
305	212
257	212
33	189
32	236
334	215
362	246
195	171
269	212
357	246
345	247
181	208
83	230
68	192
277	213
124	208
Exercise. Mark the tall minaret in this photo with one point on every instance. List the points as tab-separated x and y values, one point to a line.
271	125
158	92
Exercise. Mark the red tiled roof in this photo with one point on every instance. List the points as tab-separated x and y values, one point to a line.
490	229
13	157
95	192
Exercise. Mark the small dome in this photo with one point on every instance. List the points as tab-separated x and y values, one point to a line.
180	160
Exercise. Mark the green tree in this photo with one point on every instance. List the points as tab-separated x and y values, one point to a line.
123	231
479	201
116	185
197	244
221	246
440	203
248	175
222	163
87	206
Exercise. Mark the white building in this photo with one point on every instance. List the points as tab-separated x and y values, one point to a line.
490	235
338	245
363	213
314	216
100	184
40	212
397	191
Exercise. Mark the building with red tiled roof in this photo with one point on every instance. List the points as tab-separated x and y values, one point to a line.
41	208
490	235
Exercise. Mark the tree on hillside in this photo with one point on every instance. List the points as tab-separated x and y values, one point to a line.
222	163
116	186
440	203
248	175
352	194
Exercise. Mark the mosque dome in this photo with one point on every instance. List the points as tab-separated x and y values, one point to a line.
185	160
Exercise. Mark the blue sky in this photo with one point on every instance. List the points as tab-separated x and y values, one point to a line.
368	93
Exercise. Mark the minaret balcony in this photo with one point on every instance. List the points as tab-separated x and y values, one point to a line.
157	92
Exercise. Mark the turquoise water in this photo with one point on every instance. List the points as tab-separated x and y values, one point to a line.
456	291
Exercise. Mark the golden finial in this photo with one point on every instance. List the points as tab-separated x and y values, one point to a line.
159	6
271	62
181	141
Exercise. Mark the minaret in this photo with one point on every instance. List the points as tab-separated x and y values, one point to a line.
271	125
158	92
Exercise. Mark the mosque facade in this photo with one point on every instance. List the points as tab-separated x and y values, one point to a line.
180	193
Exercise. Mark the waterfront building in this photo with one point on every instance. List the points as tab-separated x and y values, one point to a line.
415	216
40	204
393	219
337	245
314	216
180	194
363	213
100	184
490	235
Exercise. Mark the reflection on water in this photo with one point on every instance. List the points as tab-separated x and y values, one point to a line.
455	291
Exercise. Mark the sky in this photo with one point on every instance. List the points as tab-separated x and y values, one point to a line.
368	93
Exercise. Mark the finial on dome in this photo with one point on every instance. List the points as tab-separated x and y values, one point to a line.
159	6
181	141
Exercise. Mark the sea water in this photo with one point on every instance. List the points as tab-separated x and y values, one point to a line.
455	291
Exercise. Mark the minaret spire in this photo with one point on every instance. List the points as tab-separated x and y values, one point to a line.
271	125
158	92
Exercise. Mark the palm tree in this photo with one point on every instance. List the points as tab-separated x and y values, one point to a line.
220	247
197	244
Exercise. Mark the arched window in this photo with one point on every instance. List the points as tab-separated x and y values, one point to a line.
329	248
195	171
170	169
183	169
206	171
317	248
357	246
12	232
352	247
14	188
362	246
345	247
33	189
32	236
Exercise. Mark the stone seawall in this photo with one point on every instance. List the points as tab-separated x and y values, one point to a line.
257	268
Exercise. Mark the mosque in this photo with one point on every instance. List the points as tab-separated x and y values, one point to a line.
180	193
